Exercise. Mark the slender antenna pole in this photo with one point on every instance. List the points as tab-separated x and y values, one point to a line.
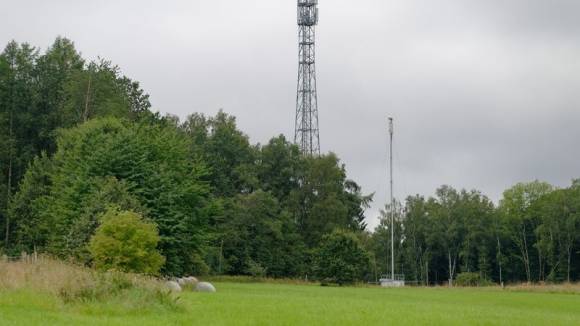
391	132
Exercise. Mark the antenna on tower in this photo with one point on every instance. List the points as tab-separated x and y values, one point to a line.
306	133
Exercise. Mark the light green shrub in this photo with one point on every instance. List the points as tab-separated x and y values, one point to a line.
125	242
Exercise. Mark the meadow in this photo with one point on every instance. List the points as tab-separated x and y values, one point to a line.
289	304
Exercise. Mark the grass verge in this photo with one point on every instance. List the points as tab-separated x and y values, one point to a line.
84	287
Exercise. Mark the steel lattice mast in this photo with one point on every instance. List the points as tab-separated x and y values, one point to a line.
306	131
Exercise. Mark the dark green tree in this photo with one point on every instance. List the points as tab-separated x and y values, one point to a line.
109	163
227	152
40	94
515	209
101	91
54	69
258	235
326	199
476	253
341	258
30	229
17	98
448	228
280	165
417	230
559	230
381	240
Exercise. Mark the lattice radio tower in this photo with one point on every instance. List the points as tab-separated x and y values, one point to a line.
306	131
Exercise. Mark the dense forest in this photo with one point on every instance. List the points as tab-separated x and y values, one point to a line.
79	140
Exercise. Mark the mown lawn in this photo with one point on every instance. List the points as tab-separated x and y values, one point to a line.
269	304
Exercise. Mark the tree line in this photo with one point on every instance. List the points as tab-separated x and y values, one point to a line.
78	140
532	235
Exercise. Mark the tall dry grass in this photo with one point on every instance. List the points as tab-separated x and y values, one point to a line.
568	288
77	284
251	279
45	275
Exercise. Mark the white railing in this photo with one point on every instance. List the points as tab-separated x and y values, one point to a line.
304	3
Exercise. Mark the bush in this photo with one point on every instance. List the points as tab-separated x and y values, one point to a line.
341	258
255	269
198	266
471	279
126	243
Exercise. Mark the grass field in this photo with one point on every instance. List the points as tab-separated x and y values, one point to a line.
275	304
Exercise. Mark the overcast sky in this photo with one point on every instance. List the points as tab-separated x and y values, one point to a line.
485	93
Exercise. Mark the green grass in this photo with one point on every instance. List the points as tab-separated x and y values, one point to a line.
278	304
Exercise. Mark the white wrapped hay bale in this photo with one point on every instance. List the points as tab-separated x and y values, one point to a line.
187	281
205	287
191	280
173	286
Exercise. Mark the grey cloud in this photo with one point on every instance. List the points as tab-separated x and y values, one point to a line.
484	93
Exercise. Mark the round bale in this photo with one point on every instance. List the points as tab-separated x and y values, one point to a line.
173	286
205	287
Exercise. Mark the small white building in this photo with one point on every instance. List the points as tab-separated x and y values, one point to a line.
397	282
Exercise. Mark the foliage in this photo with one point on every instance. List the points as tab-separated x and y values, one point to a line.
78	139
141	167
380	240
30	230
558	232
99	91
41	93
469	279
226	150
516	208
126	243
417	249
341	258
531	236
17	79
279	168
259	239
326	199
272	197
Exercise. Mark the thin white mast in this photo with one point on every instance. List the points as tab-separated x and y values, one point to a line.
391	132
